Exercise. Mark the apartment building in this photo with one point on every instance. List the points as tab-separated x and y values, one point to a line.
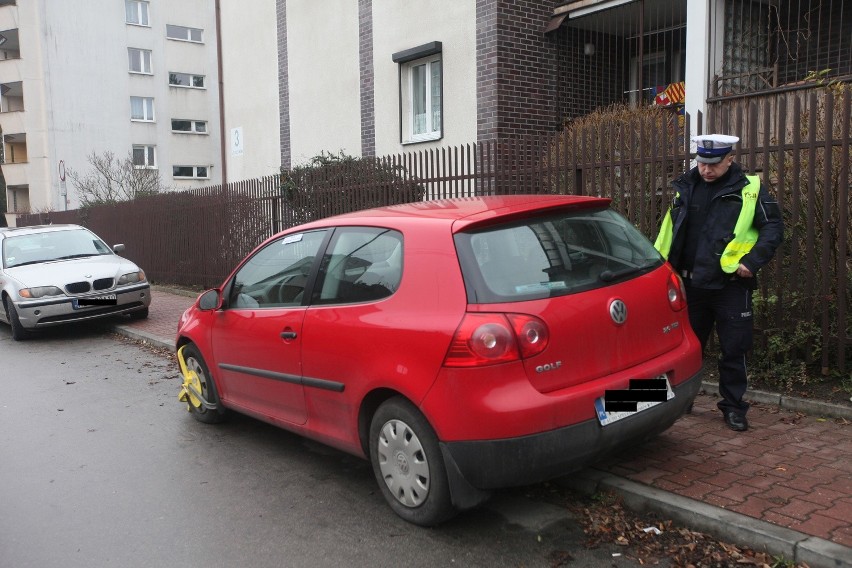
133	77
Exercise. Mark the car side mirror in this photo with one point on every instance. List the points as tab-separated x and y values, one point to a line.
209	300
117	248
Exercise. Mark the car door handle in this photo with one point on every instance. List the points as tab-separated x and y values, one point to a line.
288	335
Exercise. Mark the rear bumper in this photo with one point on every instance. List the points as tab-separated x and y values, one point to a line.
491	464
45	313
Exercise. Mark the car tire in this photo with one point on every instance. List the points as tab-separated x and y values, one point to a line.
139	315
19	332
408	464
195	362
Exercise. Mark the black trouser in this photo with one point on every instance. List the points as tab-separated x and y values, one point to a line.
730	308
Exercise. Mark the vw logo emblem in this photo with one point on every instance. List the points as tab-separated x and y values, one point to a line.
618	312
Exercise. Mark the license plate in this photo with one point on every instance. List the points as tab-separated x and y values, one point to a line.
106	300
660	392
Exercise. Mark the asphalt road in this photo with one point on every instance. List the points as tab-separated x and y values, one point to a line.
100	465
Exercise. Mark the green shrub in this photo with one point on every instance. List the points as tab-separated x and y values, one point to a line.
334	184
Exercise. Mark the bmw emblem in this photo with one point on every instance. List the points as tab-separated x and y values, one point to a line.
618	312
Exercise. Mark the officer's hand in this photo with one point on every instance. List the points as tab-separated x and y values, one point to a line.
744	272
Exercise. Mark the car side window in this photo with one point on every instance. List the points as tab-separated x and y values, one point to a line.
362	264
277	274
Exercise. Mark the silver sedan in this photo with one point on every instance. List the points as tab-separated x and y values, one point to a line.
57	274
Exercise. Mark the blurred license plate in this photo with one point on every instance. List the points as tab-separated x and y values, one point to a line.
106	300
662	389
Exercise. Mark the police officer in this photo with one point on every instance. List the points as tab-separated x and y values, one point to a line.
722	227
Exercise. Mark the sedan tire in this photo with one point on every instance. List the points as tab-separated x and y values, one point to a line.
139	314
195	362
408	464
19	332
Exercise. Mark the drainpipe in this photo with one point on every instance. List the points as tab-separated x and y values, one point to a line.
222	144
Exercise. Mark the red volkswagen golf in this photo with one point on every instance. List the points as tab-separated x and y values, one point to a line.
460	345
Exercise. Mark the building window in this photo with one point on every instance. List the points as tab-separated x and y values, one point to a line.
140	60
186	80
193	172
144	157
136	12
142	108
420	91
183	33
193	126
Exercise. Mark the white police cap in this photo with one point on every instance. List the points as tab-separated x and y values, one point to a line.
711	148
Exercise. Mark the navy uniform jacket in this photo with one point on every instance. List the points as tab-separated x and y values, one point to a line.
718	229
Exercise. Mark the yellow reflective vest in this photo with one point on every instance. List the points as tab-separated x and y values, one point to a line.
745	234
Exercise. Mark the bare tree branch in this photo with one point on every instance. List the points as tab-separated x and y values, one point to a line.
111	180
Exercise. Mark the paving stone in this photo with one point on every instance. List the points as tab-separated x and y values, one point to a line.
799	509
803	482
841	511
725	479
647	476
754	506
818	524
780	495
825	495
843	535
737	492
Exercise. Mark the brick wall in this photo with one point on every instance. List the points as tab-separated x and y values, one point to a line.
365	54
517	69
283	85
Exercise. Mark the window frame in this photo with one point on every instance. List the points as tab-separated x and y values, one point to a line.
314	239
153	117
195	174
192	77
376	273
149	152
409	60
138	4
141	60
193	126
188	31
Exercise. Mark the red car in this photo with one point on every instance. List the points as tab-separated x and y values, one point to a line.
460	345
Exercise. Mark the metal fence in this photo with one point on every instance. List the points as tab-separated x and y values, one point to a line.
801	149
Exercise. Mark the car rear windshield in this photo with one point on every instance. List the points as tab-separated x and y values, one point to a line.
555	255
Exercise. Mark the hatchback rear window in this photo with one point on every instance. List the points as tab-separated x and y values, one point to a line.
543	257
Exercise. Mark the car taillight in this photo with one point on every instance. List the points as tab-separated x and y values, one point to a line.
491	338
677	293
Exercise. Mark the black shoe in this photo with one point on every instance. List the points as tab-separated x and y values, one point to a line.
736	421
689	407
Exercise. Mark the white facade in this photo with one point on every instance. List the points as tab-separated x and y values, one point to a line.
250	87
324	78
398	26
74	72
324	72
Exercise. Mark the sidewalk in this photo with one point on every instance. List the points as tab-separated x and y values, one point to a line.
784	486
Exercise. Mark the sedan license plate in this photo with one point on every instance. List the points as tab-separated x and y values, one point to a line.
643	393
105	300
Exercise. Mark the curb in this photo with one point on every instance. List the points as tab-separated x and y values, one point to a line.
143	336
721	523
792	403
176	291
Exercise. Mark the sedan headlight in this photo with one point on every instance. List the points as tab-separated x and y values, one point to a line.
40	292
131	277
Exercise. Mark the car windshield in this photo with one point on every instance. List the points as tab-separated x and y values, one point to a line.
543	257
51	246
